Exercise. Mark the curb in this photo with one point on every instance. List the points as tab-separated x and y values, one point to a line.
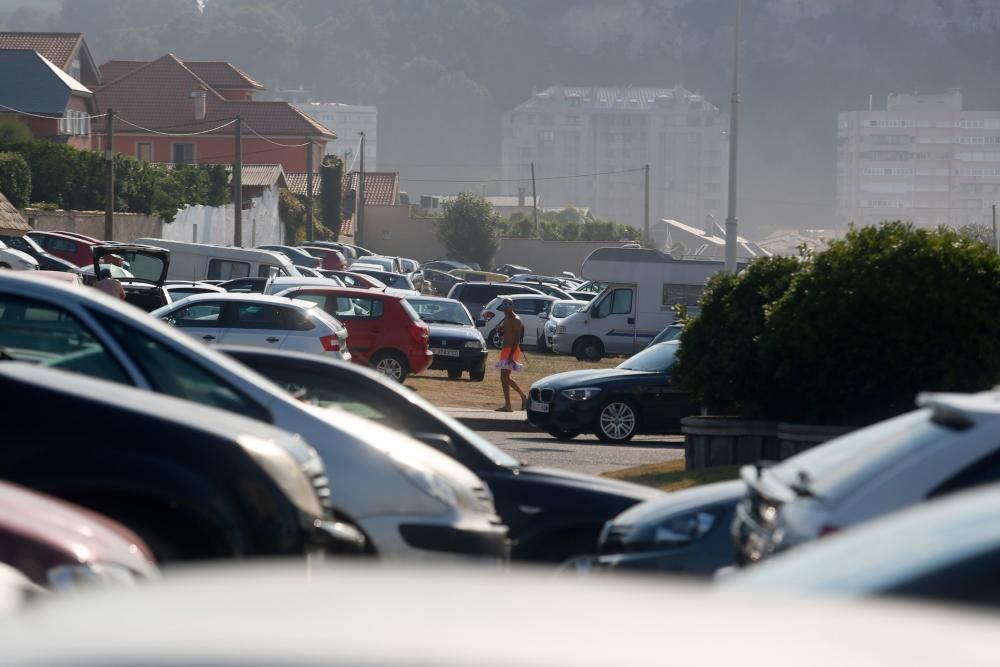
509	425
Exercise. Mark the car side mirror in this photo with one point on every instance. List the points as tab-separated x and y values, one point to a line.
438	441
544	315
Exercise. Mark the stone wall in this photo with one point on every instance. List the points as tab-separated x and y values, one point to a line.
127	226
724	441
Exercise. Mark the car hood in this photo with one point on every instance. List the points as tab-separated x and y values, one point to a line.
453	331
611	487
655	511
577	378
19	254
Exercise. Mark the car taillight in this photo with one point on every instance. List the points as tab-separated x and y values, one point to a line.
828	530
489	315
330	343
420	332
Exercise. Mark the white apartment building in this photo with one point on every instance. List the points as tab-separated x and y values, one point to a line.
567	131
924	159
347	120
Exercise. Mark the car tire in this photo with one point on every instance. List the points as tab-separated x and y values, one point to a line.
454	374
588	348
617	421
4	265
563	434
496	339
391	364
478	374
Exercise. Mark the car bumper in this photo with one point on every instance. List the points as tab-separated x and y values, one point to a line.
415	539
333	537
562	343
419	360
466	360
564	414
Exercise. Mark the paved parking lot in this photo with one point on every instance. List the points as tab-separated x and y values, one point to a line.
585	453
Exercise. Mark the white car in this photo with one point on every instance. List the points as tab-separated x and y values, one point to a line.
16	259
948	445
258	320
560	310
533	309
411	501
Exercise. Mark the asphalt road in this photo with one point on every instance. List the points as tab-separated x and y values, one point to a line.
586	453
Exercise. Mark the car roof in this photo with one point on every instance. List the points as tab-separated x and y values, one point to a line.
428	297
344	291
251	297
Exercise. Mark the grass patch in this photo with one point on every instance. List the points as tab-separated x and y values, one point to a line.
671	475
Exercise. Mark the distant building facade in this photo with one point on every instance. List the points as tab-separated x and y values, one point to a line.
567	131
924	159
347	120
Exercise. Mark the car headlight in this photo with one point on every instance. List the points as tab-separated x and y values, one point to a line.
285	472
473	345
425	480
683	529
580	393
85	575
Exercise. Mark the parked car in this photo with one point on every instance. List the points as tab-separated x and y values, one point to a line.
16	259
329	258
457	345
513	269
385	332
309	272
947	445
193	482
552	514
63	546
479	276
684	532
297	255
637	396
248	285
410	501
550	290
204	261
387	264
475	296
533	309
349	252
356	280
70	248
669	333
438	282
179	289
445	265
559	311
359	251
259	320
399	284
148	267
46	260
278	285
945	550
532	278
582	296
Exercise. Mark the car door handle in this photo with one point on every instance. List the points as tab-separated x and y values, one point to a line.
631	320
272	339
208	337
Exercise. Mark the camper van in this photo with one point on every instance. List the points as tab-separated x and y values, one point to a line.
643	286
201	261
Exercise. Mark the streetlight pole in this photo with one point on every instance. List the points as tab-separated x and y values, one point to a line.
734	124
359	206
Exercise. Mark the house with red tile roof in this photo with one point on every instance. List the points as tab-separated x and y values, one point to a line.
66	50
169	110
381	190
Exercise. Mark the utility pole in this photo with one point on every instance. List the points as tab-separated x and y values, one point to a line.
995	249
534	198
238	186
360	204
734	124
309	190
645	227
109	178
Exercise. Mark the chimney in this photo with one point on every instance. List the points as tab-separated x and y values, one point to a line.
199	103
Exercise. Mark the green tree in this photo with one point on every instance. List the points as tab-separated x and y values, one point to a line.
15	179
331	174
13	132
469	229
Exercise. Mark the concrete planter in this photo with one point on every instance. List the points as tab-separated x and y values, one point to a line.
724	441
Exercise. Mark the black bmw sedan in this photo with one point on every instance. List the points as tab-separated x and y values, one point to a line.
638	396
457	345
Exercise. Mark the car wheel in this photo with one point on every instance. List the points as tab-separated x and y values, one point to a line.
454	374
588	349
392	364
4	265
563	434
618	421
496	339
478	373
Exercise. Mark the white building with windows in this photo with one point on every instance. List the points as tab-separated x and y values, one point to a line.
567	131
347	120
924	159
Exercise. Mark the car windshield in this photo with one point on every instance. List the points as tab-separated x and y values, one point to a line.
655	359
23	243
440	312
396	280
142	268
564	309
672	332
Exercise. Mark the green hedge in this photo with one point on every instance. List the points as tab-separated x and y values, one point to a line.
15	179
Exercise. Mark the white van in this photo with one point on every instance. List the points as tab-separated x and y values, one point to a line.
201	261
643	286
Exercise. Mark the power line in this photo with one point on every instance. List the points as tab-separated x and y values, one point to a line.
305	143
176	134
35	115
520	180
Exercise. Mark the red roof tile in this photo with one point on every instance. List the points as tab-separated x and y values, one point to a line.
382	187
57	47
157	96
223	75
116	69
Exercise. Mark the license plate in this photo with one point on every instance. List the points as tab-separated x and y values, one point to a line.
535	406
441	352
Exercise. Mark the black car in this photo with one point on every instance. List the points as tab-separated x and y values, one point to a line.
440	282
46	261
457	345
248	285
194	482
637	396
148	266
513	269
475	295
552	514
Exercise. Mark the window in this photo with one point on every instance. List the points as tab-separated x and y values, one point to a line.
182	153
889	123
619	302
198	315
267	271
526	306
144	151
220	269
258	316
75	123
38	332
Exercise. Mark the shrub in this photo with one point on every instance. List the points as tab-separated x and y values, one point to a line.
718	358
15	179
469	229
13	132
879	316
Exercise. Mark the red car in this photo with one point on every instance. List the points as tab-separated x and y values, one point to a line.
67	246
330	259
61	546
383	330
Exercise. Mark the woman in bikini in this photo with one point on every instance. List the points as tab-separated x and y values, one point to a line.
510	356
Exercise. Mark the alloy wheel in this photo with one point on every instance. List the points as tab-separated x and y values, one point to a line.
390	366
617	421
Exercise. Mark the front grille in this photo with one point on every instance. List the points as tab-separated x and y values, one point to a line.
543	395
316	472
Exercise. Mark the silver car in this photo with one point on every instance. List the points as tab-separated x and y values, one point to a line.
260	321
411	501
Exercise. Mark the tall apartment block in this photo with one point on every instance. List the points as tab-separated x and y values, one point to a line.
347	120
924	159
567	131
